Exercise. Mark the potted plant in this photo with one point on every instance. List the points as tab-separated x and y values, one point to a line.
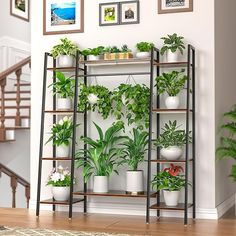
60	180
227	149
172	140
93	53
171	83
64	87
171	182
61	134
144	49
125	52
101	156
111	53
172	44
65	52
135	148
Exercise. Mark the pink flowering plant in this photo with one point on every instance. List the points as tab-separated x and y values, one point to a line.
59	177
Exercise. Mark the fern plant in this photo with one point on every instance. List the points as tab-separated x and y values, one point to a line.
228	139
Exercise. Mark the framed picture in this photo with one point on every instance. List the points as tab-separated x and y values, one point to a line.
174	6
20	9
129	12
63	16
109	14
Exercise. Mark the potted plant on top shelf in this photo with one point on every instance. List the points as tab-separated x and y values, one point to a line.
133	154
93	53
125	52
172	83
144	49
172	140
65	52
101	156
111	53
172	45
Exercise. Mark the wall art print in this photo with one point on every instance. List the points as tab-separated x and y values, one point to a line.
174	6
20	9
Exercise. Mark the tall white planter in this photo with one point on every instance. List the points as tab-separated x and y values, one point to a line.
10	134
63	151
61	193
172	56
64	103
65	61
143	54
171	152
134	182
172	102
171	197
100	184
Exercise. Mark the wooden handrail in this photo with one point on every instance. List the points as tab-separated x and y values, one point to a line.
14	68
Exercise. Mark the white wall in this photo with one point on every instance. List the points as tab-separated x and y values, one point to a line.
225	38
12	26
198	29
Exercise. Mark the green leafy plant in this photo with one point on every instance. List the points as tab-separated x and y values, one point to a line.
172	136
64	86
173	43
125	48
135	149
103	154
144	46
171	83
103	105
169	179
114	49
61	133
93	51
66	47
228	139
135	101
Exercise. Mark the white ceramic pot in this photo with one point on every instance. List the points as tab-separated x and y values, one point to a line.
100	184
171	197
10	134
92	98
63	103
25	122
143	54
63	151
61	193
134	182
65	61
93	58
171	152
172	56
172	102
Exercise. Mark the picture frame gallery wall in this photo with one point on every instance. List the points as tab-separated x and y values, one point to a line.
20	9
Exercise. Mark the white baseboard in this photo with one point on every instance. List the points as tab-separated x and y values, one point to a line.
223	207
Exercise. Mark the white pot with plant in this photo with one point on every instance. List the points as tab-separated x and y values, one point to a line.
64	87
134	151
144	49
170	182
171	83
61	134
173	45
101	157
65	53
93	54
60	180
171	141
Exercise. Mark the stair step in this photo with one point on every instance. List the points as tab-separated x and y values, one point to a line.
14	99
13	92
23	84
15	107
7	141
16	128
13	117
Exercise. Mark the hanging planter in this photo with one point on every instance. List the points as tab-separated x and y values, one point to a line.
92	98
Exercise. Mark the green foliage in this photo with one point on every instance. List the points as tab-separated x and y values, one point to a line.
135	149
102	154
136	104
125	48
66	47
172	136
172	42
114	49
64	86
59	177
171	83
144	46
228	139
93	51
103	105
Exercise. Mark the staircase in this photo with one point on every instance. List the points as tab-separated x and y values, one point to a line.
14	116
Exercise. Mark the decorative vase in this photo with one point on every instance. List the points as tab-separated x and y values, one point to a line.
93	58
92	98
100	184
172	56
63	151
65	61
134	182
171	197
10	134
63	103
25	122
61	193
172	102
142	54
171	152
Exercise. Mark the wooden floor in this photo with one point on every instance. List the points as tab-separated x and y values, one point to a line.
117	224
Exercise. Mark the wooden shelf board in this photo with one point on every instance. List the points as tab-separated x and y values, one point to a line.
169	161
17	128
169	111
171	64
53	202
56	158
162	206
61	68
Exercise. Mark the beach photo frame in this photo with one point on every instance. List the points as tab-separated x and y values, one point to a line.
63	16
129	12
174	6
109	14
20	9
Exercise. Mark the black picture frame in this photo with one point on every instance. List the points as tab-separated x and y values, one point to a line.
102	20
134	12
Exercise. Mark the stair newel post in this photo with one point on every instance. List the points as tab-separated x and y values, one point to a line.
2	127
27	195
13	186
17	119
